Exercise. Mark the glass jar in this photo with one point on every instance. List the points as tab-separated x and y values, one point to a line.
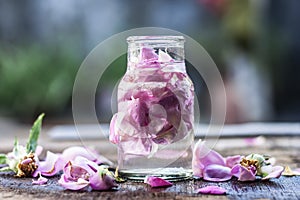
153	128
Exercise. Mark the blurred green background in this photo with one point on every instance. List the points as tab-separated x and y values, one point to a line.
254	43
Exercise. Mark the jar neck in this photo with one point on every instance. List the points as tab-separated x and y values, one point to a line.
151	51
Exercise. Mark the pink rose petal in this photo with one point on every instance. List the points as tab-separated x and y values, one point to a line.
40	181
77	173
203	156
139	112
243	173
100	181
208	156
212	157
157	182
82	172
231	161
89	166
72	185
211	190
113	135
72	152
38	150
148	54
255	141
52	165
158	118
80	168
276	172
216	173
26	161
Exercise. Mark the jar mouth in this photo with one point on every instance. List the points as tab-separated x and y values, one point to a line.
156	38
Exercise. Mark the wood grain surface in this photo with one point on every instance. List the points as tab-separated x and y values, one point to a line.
282	188
286	150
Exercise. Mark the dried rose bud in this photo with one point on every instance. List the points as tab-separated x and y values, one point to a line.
26	166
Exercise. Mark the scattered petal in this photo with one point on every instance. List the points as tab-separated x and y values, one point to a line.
231	161
80	168
217	173
82	172
76	174
266	169
212	190
255	141
40	181
211	166
276	172
208	156
203	156
102	180
289	172
72	152
51	166
72	185
243	173
157	182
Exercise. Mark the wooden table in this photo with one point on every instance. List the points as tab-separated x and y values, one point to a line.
285	148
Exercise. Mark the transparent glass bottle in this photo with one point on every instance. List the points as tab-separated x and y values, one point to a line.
153	128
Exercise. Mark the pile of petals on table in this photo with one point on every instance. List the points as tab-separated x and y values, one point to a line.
81	167
211	166
84	168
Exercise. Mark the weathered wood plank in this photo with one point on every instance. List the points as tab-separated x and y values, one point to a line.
285	149
282	188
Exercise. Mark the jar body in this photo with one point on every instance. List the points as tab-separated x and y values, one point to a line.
153	128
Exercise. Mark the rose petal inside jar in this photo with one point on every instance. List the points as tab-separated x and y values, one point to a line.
156	103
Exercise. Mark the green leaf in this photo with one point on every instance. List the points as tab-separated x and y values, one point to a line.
2	159
16	147
264	174
102	171
34	134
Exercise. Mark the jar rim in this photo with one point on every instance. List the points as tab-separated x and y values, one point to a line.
154	38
